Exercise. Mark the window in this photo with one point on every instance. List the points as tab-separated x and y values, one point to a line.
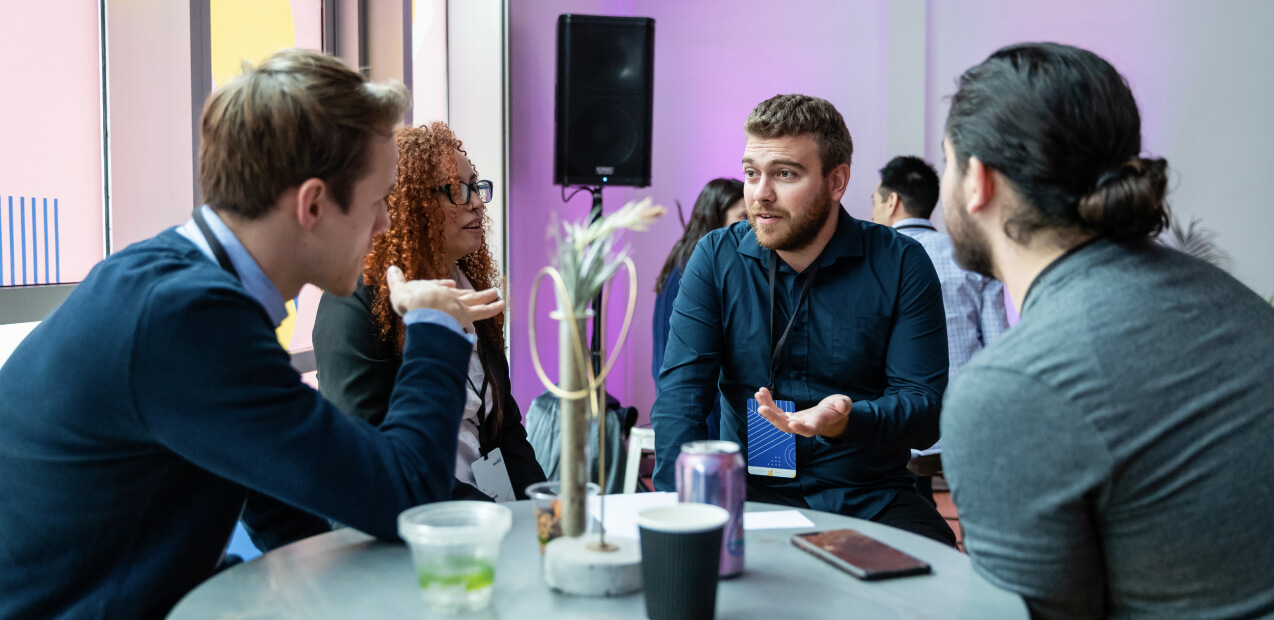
51	206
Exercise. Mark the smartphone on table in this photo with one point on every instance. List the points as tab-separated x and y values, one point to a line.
860	555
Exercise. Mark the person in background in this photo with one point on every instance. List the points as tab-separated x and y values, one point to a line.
719	204
841	318
138	415
1103	452
904	198
437	210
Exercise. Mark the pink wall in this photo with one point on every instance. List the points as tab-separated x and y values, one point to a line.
713	63
152	185
1141	38
50	143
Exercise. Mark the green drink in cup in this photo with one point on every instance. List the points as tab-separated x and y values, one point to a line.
454	573
455	547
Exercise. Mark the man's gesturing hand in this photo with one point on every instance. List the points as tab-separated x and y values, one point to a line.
827	418
463	305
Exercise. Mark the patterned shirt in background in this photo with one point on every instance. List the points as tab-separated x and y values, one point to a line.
974	303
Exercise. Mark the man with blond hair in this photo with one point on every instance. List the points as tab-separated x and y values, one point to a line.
803	303
137	417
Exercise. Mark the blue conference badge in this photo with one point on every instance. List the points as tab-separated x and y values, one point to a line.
771	452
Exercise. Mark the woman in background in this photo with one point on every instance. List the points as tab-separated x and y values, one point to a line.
437	210
719	204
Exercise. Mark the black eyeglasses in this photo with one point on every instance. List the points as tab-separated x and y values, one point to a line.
460	193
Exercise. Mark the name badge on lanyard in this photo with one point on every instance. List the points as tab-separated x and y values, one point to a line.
772	452
492	477
490	473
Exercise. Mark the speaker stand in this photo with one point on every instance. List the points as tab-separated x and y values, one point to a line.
598	345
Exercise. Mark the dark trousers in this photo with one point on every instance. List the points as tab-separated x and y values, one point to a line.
908	512
924	486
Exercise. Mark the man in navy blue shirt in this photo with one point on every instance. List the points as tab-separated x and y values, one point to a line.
842	317
137	417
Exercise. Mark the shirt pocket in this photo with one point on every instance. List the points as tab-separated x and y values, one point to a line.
859	347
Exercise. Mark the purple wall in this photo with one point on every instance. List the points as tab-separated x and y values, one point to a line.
712	66
1141	38
1200	72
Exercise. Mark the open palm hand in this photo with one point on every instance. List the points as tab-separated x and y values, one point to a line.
827	418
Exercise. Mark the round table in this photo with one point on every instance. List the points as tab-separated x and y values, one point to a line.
348	574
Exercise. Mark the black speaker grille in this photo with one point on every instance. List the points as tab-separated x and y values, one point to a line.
605	83
606	135
614	60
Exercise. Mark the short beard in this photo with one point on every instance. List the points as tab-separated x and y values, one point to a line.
805	227
969	243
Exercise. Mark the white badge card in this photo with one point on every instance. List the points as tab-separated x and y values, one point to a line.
771	452
492	476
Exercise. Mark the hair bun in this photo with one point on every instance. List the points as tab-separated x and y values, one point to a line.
1128	202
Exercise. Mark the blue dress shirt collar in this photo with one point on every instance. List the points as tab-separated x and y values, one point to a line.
845	242
250	274
913	221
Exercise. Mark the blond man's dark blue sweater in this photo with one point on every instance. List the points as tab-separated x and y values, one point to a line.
135	419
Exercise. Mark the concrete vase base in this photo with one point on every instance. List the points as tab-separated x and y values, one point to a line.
571	567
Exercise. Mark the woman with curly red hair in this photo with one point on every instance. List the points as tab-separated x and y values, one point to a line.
437	210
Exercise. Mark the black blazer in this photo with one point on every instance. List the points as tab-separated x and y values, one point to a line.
357	370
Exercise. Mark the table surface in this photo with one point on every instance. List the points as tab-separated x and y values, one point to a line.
348	574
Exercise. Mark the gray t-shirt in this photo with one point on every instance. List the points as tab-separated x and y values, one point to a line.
1113	454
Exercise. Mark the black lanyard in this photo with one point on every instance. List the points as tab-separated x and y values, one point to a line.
924	226
219	252
484	446
776	348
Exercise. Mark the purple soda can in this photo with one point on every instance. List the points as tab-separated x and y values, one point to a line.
712	472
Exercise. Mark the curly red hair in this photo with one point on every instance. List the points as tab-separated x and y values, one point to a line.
414	240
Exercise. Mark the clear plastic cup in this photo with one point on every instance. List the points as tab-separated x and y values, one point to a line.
455	547
548	509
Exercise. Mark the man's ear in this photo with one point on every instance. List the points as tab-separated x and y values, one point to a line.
837	181
980	185
310	196
893	204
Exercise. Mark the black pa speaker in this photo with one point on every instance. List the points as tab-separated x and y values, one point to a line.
605	89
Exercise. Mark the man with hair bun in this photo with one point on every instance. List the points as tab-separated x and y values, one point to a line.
1102	451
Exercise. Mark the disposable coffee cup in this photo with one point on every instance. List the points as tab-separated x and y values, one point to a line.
680	555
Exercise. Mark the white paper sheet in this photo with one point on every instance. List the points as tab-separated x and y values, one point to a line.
621	514
934	449
775	520
621	510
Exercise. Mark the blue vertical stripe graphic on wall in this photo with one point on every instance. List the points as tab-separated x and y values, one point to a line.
35	246
46	240
57	245
45	245
11	271
22	219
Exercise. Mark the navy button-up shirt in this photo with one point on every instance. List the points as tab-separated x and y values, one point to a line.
872	328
